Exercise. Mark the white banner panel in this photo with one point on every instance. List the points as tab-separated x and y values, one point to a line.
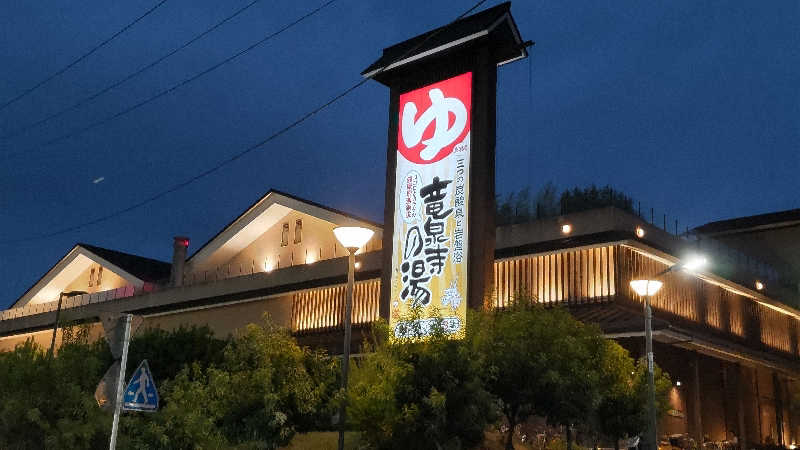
429	245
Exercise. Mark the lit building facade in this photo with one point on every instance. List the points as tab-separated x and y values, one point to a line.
732	350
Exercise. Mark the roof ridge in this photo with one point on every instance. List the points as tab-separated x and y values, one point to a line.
92	247
289	196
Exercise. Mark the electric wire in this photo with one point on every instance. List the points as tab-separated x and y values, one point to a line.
129	77
170	89
238	155
80	58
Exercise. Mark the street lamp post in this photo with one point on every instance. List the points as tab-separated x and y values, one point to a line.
647	288
351	238
58	315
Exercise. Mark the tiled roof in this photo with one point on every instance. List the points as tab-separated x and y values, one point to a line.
146	269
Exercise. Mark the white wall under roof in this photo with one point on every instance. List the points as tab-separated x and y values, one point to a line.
69	269
245	241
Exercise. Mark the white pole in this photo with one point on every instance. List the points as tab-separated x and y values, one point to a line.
348	312
120	382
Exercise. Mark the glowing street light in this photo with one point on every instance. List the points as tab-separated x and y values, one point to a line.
647	288
694	263
351	238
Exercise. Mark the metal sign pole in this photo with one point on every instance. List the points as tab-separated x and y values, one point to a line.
120	382
55	325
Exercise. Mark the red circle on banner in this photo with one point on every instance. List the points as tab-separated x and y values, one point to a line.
421	138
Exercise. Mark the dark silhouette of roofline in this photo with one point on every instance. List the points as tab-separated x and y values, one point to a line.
454	34
125	261
293	197
740	224
143	268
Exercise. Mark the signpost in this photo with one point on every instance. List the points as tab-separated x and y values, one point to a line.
107	388
440	182
429	270
123	361
141	393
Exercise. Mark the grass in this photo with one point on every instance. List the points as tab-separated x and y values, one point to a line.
328	440
323	440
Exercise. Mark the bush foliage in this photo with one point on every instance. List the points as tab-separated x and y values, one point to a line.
259	388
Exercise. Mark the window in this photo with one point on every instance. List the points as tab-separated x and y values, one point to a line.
91	277
298	231
99	275
285	235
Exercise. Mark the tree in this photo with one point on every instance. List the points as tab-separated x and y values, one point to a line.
169	351
418	392
623	409
577	200
518	207
264	390
546	201
537	361
47	402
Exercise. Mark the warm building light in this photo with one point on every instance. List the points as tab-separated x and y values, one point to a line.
358	265
646	287
639	232
694	263
353	237
759	285
566	228
268	266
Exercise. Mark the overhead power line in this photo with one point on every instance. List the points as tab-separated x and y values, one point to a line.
129	77
80	58
172	88
238	155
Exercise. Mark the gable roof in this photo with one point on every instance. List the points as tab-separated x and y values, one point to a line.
260	216
761	221
145	269
136	270
496	21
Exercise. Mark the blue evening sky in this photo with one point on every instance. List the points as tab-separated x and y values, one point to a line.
692	107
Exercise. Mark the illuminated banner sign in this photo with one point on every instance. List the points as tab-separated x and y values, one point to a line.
429	245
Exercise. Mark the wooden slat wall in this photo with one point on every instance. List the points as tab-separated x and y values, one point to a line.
574	276
323	308
721	309
678	296
579	276
736	310
775	329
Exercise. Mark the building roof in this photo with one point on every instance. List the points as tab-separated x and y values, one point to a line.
496	21
146	269
136	270
773	238
749	223
260	215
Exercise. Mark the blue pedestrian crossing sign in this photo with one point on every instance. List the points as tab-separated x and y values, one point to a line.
141	393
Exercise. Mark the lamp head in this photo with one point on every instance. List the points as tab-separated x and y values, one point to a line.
646	288
694	263
353	238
